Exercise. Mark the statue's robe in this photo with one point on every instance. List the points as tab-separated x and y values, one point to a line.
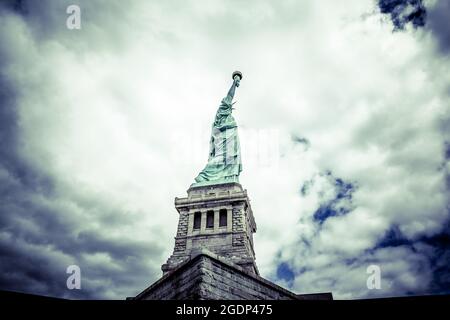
224	162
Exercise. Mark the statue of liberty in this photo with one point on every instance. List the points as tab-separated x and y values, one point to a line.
224	162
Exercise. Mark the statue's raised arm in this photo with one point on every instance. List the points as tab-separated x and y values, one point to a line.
237	76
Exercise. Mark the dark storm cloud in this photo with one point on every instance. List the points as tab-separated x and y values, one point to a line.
435	18
41	230
393	238
439	259
21	269
38	241
101	22
46	18
436	248
14	5
10	161
438	23
404	11
29	267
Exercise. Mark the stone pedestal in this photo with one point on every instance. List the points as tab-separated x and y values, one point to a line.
207	276
218	218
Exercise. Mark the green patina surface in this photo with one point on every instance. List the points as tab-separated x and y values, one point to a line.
224	161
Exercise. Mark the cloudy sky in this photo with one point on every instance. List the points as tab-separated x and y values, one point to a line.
344	123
